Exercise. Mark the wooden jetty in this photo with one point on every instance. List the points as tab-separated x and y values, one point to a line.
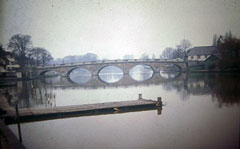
33	114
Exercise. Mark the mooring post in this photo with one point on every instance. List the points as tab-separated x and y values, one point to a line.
159	110
159	102
18	123
159	105
139	96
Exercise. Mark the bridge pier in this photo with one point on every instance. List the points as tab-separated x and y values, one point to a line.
125	72
94	73
64	74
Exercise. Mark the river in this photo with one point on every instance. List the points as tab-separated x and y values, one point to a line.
200	110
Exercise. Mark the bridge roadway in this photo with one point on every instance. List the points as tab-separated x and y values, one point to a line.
94	67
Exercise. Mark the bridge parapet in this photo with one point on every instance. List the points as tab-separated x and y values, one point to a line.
112	61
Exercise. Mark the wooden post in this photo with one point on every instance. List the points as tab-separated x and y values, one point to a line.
159	110
18	123
159	102
139	96
159	105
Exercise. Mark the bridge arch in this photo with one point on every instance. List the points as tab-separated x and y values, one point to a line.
44	72
142	76
114	78
149	65
71	70
52	74
179	68
109	65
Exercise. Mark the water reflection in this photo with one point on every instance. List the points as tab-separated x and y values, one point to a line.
110	74
169	74
210	109
80	76
28	96
224	90
52	80
171	68
141	72
51	73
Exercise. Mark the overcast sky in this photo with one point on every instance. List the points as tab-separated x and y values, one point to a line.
113	28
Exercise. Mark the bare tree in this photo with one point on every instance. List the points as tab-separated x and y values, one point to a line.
35	55
40	55
144	56
128	56
153	56
46	57
168	53
21	46
184	45
179	52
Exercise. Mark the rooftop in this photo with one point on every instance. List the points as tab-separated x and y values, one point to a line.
203	50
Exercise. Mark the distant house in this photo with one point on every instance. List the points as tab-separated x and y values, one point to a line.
8	65
202	58
12	65
3	60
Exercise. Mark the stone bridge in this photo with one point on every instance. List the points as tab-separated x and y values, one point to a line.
94	67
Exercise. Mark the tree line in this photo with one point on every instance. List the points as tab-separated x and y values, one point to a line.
25	53
180	51
229	49
76	58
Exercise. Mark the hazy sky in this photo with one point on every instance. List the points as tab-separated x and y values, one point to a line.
113	28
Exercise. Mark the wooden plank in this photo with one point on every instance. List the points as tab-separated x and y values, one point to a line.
63	109
33	114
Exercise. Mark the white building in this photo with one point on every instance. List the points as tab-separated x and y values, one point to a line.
8	65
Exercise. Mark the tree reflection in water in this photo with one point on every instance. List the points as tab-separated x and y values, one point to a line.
226	90
27	96
223	88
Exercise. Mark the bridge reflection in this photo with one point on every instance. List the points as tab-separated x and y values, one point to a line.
224	89
95	81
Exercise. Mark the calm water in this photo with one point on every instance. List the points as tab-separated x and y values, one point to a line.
200	111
